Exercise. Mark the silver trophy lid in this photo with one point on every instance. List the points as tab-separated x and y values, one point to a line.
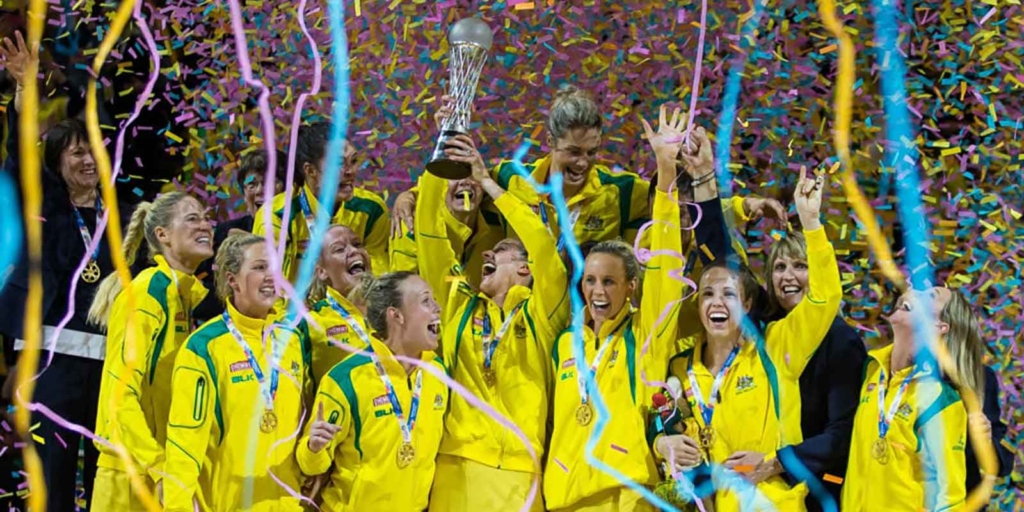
471	31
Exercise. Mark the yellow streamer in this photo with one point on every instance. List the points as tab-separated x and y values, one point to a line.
31	182
981	442
99	151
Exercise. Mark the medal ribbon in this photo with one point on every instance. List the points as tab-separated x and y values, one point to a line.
592	370
307	212
267	389
885	420
491	343
84	230
396	406
347	317
707	409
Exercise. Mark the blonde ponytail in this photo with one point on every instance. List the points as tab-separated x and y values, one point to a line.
145	219
110	287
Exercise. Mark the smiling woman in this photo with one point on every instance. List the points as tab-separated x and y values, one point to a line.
143	341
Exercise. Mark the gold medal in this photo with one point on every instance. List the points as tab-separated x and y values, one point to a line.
268	422
406	454
707	437
490	377
92	273
584	415
880	451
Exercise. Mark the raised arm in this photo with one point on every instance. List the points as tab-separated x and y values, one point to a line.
794	339
437	262
548	305
662	289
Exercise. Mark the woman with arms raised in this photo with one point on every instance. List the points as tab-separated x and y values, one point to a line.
621	348
239	387
498	341
744	391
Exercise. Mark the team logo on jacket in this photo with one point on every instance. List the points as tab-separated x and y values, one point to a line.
594	223
569	363
180	316
614	357
520	331
904	411
745	383
438	402
337	330
240	366
295	369
381	400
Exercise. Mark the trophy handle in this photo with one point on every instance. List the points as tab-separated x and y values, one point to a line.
443	167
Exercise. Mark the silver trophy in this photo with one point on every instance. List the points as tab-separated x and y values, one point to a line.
469	42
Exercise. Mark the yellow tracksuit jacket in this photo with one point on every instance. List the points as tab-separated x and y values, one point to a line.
927	437
161	324
522	358
748	417
621	378
365	213
216	452
733	207
610	205
331	330
363	455
468	244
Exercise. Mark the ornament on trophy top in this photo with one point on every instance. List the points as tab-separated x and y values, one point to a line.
469	42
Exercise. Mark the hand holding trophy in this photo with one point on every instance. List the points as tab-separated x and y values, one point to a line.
469	42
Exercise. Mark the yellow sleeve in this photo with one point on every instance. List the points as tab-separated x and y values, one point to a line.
438	265
146	324
638	207
189	424
662	293
403	252
377	243
336	412
734	206
260	228
793	340
549	302
943	439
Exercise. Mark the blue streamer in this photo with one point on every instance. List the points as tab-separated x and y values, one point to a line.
10	228
332	171
900	147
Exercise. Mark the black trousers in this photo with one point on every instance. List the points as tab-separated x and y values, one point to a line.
70	387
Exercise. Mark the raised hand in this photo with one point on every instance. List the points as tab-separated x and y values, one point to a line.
320	432
16	57
758	207
403	212
669	137
461	149
807	197
444	112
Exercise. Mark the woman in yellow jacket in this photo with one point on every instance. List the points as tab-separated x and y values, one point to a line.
342	266
378	419
745	393
239	388
135	391
363	211
622	350
910	430
499	344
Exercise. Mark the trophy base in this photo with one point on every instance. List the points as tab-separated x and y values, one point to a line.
443	167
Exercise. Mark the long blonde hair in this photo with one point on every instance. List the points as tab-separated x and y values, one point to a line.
964	343
229	259
145	219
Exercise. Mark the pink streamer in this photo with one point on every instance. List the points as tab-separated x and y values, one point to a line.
696	71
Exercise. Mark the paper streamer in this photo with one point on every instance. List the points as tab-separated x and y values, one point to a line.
10	228
900	137
114	237
695	89
31	182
